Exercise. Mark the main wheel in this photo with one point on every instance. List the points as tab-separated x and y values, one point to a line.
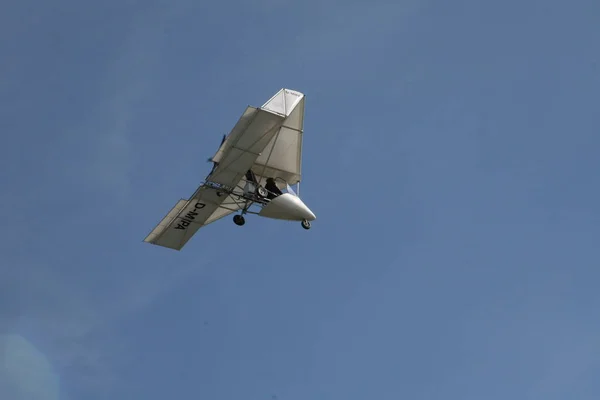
239	220
306	224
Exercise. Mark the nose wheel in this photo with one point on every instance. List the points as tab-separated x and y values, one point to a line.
306	224
239	220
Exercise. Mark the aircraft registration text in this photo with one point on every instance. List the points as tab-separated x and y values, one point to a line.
190	216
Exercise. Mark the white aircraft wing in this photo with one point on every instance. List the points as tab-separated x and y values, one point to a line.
267	140
184	220
282	157
244	144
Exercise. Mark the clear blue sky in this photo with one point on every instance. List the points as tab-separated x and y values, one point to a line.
451	154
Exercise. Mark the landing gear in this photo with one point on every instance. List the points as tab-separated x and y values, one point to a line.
239	220
306	224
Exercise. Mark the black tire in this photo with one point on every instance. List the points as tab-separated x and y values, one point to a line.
239	220
306	224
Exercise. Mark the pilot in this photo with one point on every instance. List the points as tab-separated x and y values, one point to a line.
273	190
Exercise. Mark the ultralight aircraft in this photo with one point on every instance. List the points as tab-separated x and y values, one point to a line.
257	163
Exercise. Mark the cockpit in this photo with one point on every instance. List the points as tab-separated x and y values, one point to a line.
274	189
